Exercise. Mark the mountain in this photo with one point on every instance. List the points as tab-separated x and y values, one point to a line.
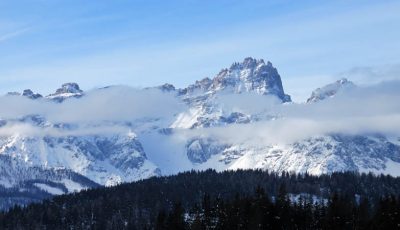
105	159
251	75
67	90
61	164
217	124
23	184
330	90
30	94
52	164
314	155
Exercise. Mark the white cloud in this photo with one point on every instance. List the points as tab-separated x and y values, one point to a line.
10	35
315	40
364	110
247	103
371	75
99	111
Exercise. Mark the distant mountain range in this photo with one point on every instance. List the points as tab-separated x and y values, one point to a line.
57	159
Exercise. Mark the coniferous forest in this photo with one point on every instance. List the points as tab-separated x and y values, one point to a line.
243	199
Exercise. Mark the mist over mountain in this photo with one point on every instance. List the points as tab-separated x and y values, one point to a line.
242	118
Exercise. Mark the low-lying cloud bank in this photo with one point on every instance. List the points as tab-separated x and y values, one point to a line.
117	103
100	111
363	110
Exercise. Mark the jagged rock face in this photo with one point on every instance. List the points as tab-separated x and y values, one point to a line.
205	121
105	159
35	120
167	87
200	150
46	165
251	75
201	86
29	94
22	184
14	172
111	158
330	90
316	155
339	152
67	90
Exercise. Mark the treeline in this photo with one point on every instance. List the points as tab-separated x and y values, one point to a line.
260	212
243	199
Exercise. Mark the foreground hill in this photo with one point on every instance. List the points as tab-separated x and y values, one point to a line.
226	200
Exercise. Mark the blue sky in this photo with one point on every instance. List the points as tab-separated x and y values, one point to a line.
142	43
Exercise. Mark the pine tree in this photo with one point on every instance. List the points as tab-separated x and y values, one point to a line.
161	220
175	219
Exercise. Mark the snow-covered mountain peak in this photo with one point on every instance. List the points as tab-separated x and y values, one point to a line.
250	75
225	122
330	90
248	63
206	97
67	90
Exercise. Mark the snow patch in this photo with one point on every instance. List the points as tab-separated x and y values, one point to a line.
49	189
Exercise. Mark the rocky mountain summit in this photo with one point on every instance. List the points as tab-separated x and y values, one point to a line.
67	90
58	157
330	90
251	75
29	94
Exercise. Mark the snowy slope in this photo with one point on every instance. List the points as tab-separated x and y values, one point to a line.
67	90
316	155
330	90
105	159
205	98
58	157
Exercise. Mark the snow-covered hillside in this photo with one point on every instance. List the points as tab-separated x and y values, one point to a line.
242	118
330	90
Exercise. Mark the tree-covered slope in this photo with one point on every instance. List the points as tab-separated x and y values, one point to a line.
162	201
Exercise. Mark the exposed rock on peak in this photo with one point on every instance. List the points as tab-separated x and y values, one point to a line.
202	85
166	87
67	90
249	62
30	94
251	75
330	90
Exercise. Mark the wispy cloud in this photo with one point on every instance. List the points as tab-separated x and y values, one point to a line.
308	43
373	74
13	34
364	110
115	104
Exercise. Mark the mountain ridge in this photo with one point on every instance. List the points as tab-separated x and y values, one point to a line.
152	146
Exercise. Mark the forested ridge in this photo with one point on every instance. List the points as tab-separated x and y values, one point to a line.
243	199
